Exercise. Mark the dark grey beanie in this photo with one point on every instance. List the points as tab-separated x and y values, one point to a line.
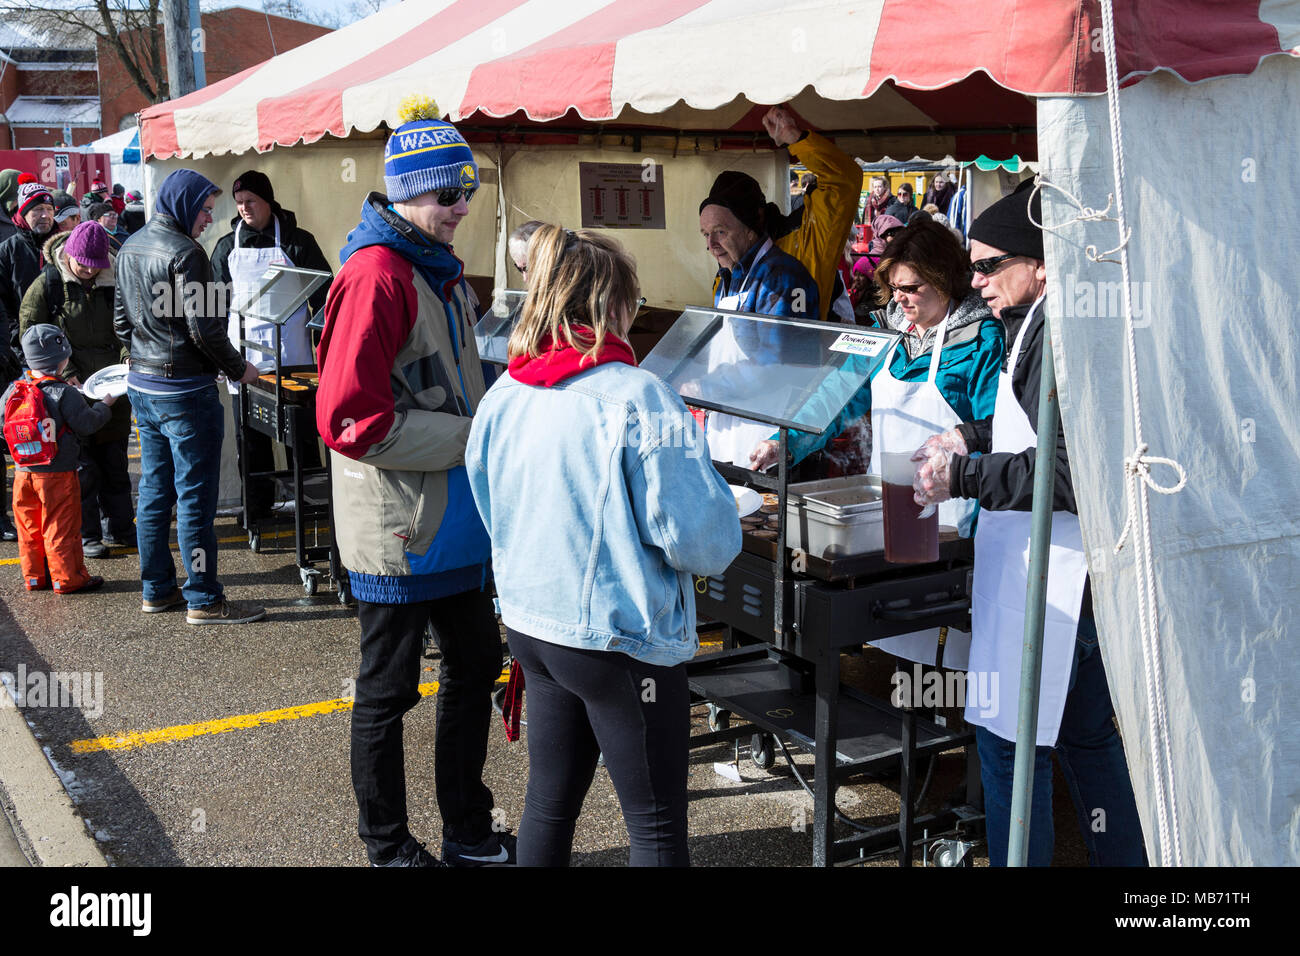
45	346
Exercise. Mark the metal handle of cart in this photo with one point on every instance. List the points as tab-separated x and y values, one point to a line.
921	614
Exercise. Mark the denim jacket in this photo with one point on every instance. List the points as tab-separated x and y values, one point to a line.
601	502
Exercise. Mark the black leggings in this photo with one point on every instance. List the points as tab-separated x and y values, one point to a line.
582	704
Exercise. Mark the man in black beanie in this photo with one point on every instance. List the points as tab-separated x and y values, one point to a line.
1075	716
265	234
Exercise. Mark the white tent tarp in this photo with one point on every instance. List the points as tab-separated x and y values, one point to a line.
1216	300
123	149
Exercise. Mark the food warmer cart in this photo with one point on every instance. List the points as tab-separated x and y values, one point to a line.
281	403
791	611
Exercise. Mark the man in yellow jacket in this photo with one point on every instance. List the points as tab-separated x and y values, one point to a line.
821	228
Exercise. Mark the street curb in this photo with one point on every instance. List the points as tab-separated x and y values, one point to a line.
48	827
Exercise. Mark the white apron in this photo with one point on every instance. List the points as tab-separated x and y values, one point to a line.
1001	579
246	269
731	439
903	416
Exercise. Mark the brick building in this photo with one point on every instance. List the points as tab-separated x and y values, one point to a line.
55	77
48	81
234	40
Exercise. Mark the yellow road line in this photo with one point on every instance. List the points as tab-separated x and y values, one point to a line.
140	738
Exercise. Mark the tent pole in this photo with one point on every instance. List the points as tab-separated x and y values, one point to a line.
1031	660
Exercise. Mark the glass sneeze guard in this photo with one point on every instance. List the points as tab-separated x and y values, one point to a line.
280	292
794	373
492	332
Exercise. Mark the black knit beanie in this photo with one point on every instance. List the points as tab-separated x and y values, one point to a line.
257	183
1006	224
742	195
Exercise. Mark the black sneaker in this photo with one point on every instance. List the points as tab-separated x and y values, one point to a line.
412	853
94	549
498	849
7	530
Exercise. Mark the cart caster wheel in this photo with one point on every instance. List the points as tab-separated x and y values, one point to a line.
762	750
719	719
951	853
310	581
255	542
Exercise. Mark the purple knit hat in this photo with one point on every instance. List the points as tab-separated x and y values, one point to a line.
88	244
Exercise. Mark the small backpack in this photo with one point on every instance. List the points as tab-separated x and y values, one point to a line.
29	430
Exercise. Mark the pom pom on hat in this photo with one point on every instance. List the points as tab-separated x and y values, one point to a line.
418	107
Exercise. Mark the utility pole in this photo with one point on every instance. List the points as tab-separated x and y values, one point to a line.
198	44
180	60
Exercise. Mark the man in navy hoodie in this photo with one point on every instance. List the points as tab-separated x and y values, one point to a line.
167	314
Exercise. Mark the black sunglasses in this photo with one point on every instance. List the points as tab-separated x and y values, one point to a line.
449	197
989	266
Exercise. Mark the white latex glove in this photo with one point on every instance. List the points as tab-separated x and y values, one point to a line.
764	455
950	440
931	482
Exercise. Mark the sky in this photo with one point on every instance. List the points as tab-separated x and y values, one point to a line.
319	10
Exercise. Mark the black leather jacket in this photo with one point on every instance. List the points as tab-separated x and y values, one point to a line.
168	312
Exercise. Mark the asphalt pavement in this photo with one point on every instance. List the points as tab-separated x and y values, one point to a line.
229	745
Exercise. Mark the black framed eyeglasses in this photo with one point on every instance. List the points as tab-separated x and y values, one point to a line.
451	196
990	265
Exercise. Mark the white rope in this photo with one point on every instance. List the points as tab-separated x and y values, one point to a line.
1137	468
1137	477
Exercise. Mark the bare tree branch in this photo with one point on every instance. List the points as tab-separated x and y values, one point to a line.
129	28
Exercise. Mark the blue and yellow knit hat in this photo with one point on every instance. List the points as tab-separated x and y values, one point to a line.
425	154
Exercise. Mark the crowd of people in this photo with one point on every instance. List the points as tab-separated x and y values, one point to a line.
446	484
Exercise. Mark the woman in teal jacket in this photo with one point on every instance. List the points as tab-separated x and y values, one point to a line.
951	341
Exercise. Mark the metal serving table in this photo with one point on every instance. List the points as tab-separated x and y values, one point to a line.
804	610
281	404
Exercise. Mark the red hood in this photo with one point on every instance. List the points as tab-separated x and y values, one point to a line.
556	363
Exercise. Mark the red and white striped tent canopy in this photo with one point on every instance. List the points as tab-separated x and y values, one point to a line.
968	69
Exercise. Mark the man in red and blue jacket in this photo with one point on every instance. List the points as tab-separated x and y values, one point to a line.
400	377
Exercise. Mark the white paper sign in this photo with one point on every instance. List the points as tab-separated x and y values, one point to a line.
856	343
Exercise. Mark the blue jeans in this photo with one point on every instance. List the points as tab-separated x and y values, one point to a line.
180	464
1092	761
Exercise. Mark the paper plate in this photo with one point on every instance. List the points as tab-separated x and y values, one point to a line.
747	499
107	381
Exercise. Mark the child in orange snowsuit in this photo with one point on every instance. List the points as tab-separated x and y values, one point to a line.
47	498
